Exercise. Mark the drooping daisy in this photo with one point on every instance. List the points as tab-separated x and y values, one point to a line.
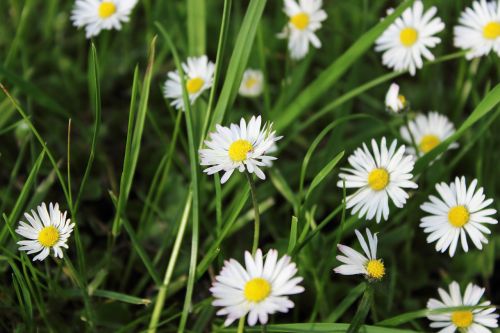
465	321
357	263
378	177
305	18
394	101
479	29
97	15
47	229
409	38
258	289
199	73
428	131
252	83
459	211
242	147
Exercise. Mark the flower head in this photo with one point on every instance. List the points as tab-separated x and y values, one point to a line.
394	101
252	83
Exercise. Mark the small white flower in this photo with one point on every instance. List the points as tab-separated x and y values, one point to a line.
357	263
394	101
260	289
97	15
459	211
378	177
428	131
252	83
409	38
239	147
305	18
46	230
479	29
199	72
465	321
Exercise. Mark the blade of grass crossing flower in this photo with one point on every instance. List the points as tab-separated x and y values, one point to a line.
196	27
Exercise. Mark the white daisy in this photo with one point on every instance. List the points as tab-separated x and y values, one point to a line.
242	147
46	230
409	38
357	263
97	15
259	289
394	101
252	83
459	211
465	321
305	18
199	72
428	131
479	29
378	177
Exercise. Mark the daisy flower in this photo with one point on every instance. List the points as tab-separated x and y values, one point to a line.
459	211
378	177
356	263
428	131
409	38
252	83
97	15
242	147
479	29
199	72
259	289
465	321
394	101
305	18
47	229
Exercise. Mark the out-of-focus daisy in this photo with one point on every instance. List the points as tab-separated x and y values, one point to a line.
252	83
47	229
199	72
259	289
459	211
357	263
479	29
428	131
409	38
378	177
305	18
242	147
97	15
465	321
394	101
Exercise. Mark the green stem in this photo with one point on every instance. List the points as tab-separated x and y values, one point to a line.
256	232
241	325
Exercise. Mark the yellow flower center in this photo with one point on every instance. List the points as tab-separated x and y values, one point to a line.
458	216
106	9
251	82
375	269
257	289
402	99
408	36
194	85
462	319
48	236
491	30
378	179
428	143
239	149
300	21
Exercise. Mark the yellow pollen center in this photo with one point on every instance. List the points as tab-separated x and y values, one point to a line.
458	216
378	179
257	289
106	9
48	236
408	36
402	99
239	149
428	143
375	269
194	85
250	82
462	319
491	30
300	21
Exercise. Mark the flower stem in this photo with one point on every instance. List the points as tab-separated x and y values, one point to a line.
256	212
241	325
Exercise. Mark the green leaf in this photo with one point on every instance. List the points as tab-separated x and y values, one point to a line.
196	26
116	296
